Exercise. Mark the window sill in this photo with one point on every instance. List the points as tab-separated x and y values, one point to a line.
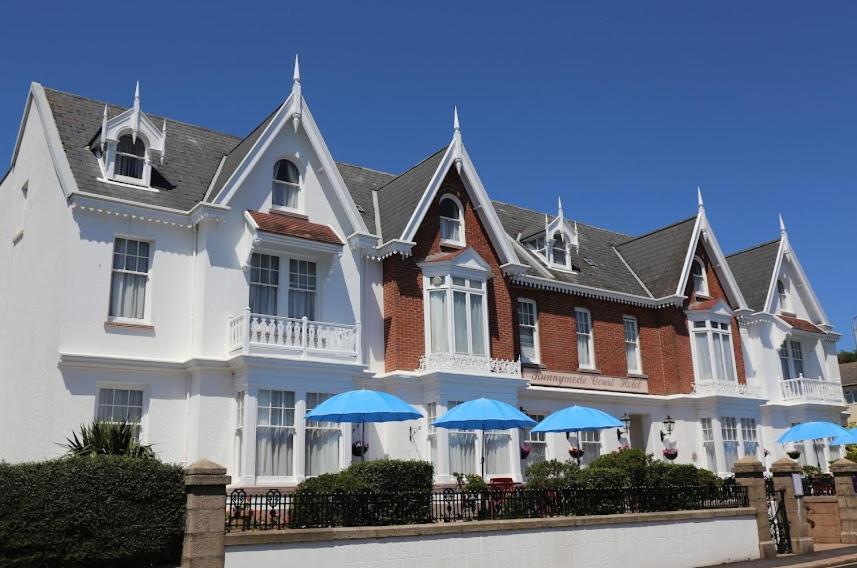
699	296
589	370
123	323
288	212
452	244
638	376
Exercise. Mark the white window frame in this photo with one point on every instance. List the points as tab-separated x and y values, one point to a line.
431	434
730	434
239	437
713	325
790	353
549	248
314	290
276	287
699	282
141	426
448	285
591	334
319	426
112	157
783	295
147	295
300	208
591	444
296	467
638	369
535	439
462	239
749	436
535	327
708	438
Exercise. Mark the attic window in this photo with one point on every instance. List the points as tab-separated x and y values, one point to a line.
697	274
451	221
130	157
286	186
783	295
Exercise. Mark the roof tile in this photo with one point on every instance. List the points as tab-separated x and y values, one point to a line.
294	227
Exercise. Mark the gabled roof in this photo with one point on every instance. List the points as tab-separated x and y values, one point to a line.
362	183
398	199
192	154
290	226
607	270
658	257
753	269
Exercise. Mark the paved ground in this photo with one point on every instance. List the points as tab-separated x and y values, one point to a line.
825	556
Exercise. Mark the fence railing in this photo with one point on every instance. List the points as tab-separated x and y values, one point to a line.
820	485
277	510
803	388
247	332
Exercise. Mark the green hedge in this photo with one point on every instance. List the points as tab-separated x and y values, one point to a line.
91	512
361	495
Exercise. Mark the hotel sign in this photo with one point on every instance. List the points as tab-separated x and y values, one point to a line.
593	382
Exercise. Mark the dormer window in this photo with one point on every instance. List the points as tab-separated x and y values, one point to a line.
697	275
286	189
130	157
559	255
782	294
451	222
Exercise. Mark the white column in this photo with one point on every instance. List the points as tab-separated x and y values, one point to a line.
300	435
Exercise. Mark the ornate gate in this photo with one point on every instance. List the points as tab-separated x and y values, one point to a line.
779	522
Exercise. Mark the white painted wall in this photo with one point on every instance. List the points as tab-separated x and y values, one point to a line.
677	544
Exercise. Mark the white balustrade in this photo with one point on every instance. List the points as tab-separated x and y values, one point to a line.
749	389
457	362
291	335
817	390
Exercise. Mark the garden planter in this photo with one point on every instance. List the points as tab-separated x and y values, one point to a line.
670	453
576	453
525	451
794	454
359	448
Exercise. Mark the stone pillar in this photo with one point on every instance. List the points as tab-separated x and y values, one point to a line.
783	469
844	471
205	490
750	473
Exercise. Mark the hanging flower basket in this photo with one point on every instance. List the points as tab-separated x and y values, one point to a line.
576	453
525	451
359	448
794	454
670	453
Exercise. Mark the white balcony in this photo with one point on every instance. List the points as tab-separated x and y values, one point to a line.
802	389
458	363
727	388
292	337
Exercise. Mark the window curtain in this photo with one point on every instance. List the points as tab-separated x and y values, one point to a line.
459	314
719	371
274	451
727	357
437	323
730	452
497	452
583	350
476	324
528	342
631	355
462	452
302	304
128	295
322	454
704	354
263	300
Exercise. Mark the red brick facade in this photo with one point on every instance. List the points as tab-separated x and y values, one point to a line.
664	337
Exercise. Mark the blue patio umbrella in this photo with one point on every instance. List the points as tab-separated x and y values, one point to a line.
362	406
849	438
484	414
812	431
577	419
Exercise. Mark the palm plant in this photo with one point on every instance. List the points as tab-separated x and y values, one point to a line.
107	438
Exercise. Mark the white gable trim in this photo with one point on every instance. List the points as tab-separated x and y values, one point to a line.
285	116
468	263
52	137
702	228
456	153
814	303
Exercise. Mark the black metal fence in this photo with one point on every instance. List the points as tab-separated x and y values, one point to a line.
275	510
819	485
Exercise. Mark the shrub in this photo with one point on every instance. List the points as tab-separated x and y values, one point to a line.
374	493
107	438
634	463
551	474
85	512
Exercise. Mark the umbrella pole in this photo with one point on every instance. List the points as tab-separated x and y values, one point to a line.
363	440
483	455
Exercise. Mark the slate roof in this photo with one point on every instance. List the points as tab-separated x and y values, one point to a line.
658	257
294	227
192	153
607	271
399	197
848	372
361	183
753	269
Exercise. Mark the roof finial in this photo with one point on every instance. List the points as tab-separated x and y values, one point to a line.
782	225
135	119
455	124
164	142
559	206
699	196
104	130
297	75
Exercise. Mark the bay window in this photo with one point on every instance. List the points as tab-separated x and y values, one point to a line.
750	437
729	432
712	349
632	345
275	433
528	330
322	440
460	301
791	359
497	452
130	278
585	346
708	444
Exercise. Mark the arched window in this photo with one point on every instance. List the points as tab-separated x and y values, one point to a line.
783	295
451	222
697	273
560	257
286	187
130	157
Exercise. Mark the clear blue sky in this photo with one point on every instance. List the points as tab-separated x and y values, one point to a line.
621	108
